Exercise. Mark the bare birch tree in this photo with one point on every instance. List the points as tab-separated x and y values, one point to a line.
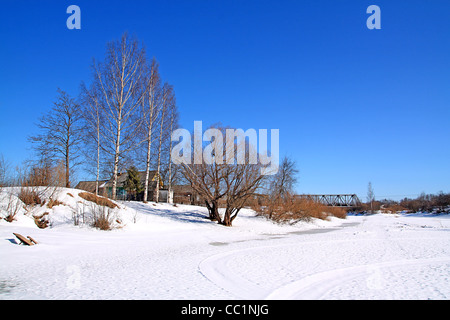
151	107
173	124
168	99
120	80
92	117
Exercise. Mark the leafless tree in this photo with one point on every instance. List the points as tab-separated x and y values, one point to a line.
60	138
168	99
120	81
281	186
40	178
370	196
222	183
242	181
3	173
206	179
172	170
90	100
151	106
282	183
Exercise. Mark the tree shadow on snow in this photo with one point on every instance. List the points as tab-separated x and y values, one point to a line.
190	216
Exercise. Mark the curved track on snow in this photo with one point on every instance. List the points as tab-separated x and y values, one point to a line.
385	259
317	285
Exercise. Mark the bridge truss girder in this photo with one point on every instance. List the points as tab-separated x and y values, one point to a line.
334	200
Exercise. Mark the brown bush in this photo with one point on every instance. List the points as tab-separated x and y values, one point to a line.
102	223
394	208
293	209
12	208
41	221
102	218
97	200
29	196
337	212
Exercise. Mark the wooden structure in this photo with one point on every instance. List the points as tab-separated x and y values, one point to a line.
29	241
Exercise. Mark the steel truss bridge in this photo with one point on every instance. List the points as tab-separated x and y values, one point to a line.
334	200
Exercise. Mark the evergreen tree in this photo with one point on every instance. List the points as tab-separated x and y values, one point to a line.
133	184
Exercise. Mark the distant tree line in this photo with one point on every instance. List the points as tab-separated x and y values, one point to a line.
423	203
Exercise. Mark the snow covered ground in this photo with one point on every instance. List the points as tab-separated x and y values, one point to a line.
167	252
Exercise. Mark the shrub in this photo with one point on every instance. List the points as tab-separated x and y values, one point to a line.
292	209
394	208
79	213
102	218
337	212
41	221
13	206
29	196
76	216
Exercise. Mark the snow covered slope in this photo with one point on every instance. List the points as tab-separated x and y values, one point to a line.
166	252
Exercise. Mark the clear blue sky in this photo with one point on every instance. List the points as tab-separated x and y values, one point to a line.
353	105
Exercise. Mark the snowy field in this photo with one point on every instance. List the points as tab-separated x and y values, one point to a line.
167	252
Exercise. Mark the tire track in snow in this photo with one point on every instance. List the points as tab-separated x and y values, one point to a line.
216	269
317	285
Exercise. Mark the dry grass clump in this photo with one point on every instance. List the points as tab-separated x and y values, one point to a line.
42	221
29	196
102	219
101	201
53	203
